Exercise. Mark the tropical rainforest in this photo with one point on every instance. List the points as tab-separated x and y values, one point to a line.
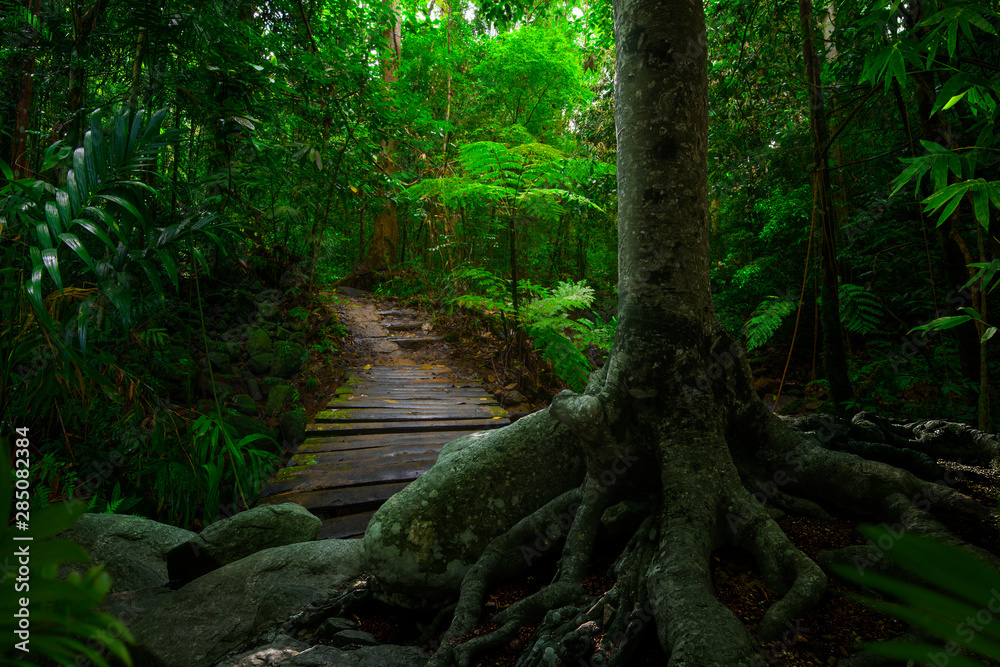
671	224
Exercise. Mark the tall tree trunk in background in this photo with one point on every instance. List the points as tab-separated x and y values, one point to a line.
140	54
956	256
384	248
85	20
834	353
22	115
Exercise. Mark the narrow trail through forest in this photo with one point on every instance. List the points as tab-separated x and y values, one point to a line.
385	425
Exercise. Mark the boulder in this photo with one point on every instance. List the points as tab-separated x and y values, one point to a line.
285	651
245	404
220	362
268	310
254	388
129	606
222	391
261	363
233	349
277	399
239	536
220	613
133	549
288	359
421	542
271	382
292	426
258	342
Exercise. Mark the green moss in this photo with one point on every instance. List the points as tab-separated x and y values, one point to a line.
287	474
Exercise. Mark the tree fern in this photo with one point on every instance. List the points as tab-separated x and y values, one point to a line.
860	311
570	364
766	319
548	323
556	335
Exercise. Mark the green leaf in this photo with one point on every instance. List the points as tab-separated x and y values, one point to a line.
133	138
989	333
981	204
154	278
50	258
169	265
80	172
76	246
954	100
124	203
56	518
942	323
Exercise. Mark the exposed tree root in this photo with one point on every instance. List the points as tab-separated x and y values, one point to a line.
662	576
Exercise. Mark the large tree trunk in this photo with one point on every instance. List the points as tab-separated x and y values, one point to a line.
670	424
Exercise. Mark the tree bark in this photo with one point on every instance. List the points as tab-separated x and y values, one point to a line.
84	22
834	353
384	248
22	115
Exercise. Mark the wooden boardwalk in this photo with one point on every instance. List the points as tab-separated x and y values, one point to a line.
384	428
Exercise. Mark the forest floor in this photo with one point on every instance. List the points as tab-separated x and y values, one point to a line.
836	629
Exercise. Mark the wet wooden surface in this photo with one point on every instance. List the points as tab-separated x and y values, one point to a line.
383	428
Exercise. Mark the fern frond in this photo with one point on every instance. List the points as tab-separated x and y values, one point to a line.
860	311
569	363
765	320
566	296
534	153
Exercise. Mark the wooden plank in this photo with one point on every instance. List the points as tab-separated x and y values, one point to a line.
376	371
348	473
346	415
337	498
403	380
360	442
369	389
443	400
398	313
345	527
370	454
405	427
352	466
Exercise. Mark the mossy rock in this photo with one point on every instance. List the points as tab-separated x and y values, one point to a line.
282	333
292	426
269	383
220	362
245	404
268	310
423	540
288	359
258	342
223	391
278	398
233	350
261	363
